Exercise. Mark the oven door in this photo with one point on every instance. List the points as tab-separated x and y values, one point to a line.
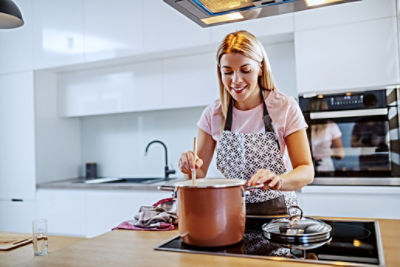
355	143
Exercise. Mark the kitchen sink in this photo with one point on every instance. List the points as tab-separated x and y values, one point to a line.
131	180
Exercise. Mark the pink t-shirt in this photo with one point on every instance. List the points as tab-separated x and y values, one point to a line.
283	110
321	143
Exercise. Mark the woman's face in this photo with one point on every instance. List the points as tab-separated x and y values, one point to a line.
239	75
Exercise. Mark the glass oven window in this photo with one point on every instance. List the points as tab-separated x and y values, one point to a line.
348	145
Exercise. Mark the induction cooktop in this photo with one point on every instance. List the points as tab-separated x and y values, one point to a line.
352	243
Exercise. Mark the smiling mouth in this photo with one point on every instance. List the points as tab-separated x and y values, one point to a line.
239	90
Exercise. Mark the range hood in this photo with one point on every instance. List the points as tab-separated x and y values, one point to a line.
208	13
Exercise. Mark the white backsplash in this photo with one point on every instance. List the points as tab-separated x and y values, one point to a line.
117	142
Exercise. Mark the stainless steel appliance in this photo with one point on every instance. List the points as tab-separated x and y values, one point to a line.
208	13
354	136
353	243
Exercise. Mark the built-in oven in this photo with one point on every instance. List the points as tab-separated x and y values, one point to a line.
354	136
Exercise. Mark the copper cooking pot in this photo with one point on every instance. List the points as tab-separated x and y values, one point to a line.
211	213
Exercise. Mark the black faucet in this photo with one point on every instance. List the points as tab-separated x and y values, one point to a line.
167	171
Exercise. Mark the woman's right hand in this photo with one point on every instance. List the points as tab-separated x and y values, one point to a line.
189	162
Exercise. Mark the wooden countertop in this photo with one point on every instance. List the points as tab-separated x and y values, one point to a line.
25	253
135	248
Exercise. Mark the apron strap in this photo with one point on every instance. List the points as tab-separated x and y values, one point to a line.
267	120
228	122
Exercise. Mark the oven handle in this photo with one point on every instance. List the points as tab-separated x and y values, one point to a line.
348	113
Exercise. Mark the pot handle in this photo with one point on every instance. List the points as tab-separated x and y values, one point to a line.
246	187
295	216
169	188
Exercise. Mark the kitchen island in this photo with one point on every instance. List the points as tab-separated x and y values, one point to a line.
25	253
136	248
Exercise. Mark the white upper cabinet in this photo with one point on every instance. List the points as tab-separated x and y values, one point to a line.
16	44
164	28
355	55
57	33
95	91
190	81
398	7
112	29
148	87
185	81
344	14
17	143
126	88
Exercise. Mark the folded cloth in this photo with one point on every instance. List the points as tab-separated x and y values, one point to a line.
130	225
151	218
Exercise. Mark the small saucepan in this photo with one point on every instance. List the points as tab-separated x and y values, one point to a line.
212	212
298	231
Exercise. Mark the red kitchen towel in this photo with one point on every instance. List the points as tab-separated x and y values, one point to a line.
162	201
130	225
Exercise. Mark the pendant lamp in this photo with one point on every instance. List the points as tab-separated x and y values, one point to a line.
10	16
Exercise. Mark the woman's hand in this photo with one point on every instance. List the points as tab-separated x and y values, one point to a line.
266	177
189	162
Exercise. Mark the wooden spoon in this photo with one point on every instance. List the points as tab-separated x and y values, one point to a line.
195	155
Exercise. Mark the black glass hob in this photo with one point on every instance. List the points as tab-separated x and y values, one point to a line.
356	243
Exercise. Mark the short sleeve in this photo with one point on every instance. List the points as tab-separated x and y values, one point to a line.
204	122
335	130
294	118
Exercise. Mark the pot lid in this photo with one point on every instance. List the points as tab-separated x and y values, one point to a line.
211	183
297	229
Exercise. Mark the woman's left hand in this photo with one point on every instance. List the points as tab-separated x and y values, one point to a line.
266	177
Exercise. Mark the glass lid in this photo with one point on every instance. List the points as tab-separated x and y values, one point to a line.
297	228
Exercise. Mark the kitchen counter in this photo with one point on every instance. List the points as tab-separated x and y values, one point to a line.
25	253
77	183
135	248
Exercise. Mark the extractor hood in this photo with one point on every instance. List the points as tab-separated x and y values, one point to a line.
208	13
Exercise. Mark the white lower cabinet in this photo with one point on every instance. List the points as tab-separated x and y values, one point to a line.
178	82
64	210
91	212
106	209
17	216
350	201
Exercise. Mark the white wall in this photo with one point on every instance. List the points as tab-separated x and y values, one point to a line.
282	59
57	140
117	142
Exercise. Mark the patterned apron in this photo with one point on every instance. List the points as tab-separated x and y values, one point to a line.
241	155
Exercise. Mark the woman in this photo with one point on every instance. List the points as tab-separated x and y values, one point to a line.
326	140
250	127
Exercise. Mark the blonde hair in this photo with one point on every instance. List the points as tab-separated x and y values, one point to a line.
248	45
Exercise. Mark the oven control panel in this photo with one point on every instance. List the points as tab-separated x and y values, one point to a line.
344	101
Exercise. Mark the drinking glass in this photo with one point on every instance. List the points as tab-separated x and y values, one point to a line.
39	237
